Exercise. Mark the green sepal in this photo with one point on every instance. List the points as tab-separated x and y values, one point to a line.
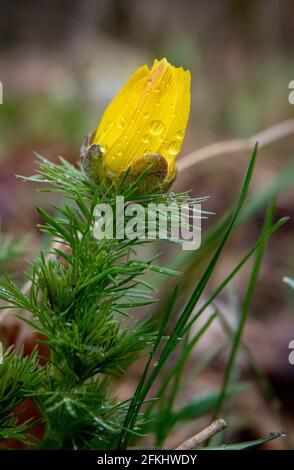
156	178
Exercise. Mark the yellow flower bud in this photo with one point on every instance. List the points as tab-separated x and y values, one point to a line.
144	124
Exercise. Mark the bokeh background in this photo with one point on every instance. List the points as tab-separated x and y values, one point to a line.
62	61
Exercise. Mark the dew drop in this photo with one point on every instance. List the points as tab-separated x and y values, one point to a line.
180	135
121	123
174	148
146	139
156	127
157	89
103	148
146	115
146	152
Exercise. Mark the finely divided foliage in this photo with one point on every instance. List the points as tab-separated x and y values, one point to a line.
80	303
85	295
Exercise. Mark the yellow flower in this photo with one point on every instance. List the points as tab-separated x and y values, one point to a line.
146	120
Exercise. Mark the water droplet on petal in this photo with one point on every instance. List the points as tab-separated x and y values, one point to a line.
146	115
157	89
157	127
103	148
121	123
146	152
146	139
180	135
174	148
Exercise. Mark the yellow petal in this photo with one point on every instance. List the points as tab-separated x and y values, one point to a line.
121	104
150	122
149	115
172	144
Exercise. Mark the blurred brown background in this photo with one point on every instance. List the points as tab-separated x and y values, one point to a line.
61	62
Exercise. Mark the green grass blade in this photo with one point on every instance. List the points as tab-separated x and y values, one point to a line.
217	291
138	397
245	310
180	325
249	444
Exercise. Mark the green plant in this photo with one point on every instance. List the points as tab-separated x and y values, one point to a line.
84	295
80	301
